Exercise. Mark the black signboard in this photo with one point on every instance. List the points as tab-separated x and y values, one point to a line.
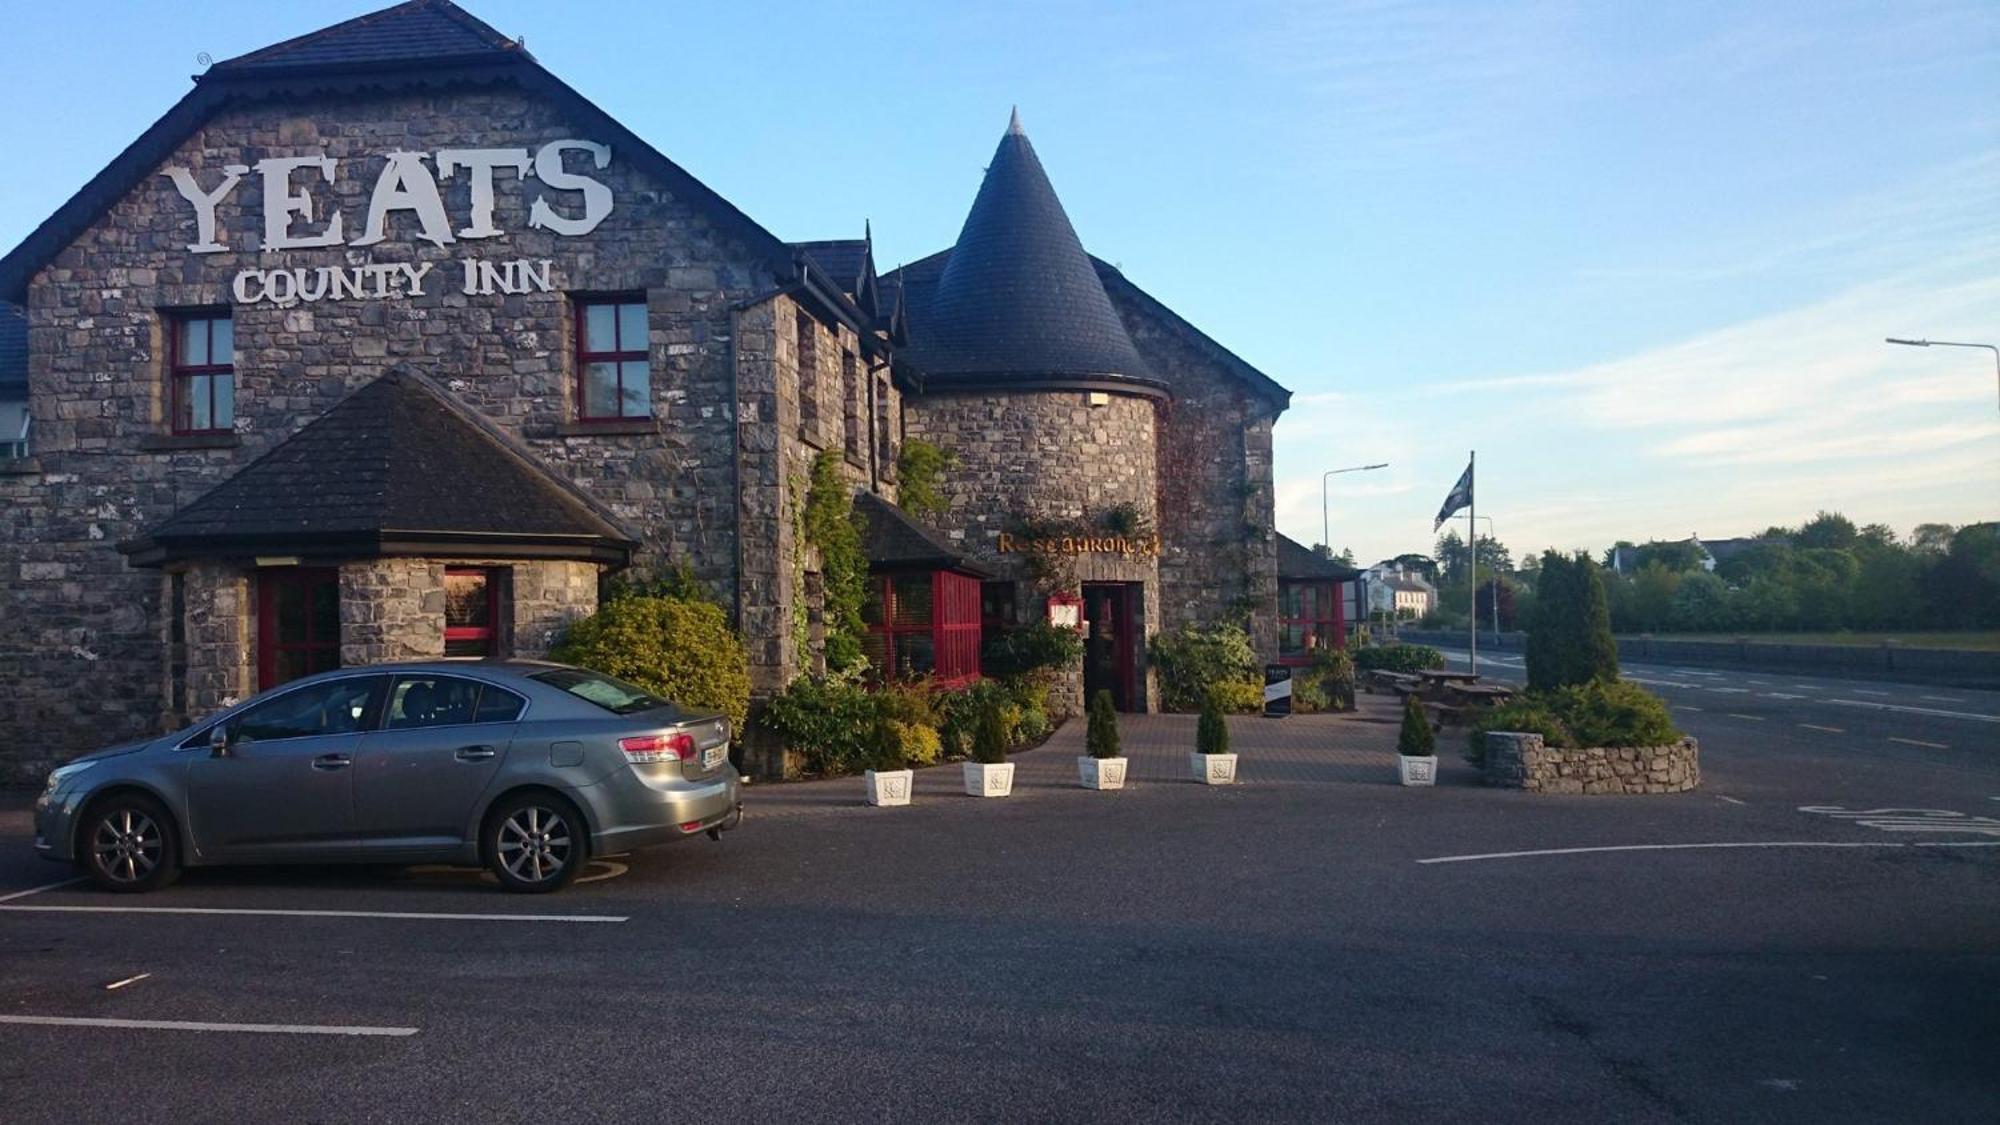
1277	691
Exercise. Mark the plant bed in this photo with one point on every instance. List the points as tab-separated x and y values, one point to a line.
1521	760
989	774
1416	746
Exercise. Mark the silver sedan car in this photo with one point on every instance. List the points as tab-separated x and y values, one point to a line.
527	768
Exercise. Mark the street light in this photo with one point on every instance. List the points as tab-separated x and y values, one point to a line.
1995	349
1326	520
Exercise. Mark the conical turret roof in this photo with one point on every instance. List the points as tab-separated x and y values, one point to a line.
1019	301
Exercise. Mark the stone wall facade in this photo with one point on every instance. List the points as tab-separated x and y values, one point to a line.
1524	761
107	465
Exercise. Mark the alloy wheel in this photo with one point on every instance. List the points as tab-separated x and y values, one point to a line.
535	844
127	845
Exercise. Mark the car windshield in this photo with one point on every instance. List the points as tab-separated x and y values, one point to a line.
615	696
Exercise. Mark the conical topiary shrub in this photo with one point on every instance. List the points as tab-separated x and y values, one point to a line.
1416	739
989	739
1211	732
1101	739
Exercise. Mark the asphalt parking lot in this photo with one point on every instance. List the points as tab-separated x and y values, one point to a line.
1316	943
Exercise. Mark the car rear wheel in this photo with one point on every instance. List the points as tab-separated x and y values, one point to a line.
535	843
127	844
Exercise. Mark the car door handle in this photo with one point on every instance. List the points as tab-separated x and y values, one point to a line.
474	753
332	762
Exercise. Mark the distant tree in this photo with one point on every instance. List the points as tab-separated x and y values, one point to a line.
1502	589
1653	596
1878	535
1422	564
1569	641
1494	557
1967	580
1932	538
1829	530
1701	604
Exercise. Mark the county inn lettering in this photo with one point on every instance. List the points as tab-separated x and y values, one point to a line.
404	184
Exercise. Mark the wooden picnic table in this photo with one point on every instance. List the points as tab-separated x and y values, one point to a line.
1442	676
1481	693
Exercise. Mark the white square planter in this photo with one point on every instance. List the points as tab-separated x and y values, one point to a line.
1417	771
1213	769
982	780
889	787
1101	773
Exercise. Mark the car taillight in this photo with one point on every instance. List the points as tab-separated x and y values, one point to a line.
658	748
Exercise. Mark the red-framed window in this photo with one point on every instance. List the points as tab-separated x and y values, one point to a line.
614	374
806	331
298	623
471	612
923	623
201	366
1309	619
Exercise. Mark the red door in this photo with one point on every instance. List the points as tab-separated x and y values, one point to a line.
298	623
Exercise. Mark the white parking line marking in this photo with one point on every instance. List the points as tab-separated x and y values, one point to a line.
116	985
1752	718
1730	690
190	1025
1687	847
1731	800
1865	691
1829	730
1943	698
39	890
1807	687
1685	707
1973	715
1781	695
421	917
1919	742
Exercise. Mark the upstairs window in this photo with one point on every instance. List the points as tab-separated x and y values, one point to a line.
614	378
202	378
852	407
807	330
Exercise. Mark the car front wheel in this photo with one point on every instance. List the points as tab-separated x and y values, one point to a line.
535	843
128	844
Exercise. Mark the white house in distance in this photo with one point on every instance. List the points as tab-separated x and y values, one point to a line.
1396	590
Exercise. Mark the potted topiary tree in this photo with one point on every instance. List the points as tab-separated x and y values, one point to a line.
1103	767
889	783
1416	746
989	774
1211	761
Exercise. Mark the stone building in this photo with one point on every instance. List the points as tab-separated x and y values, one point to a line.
384	343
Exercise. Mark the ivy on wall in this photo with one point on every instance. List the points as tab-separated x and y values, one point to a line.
829	524
920	466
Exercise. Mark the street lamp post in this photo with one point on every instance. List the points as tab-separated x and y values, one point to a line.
1491	537
1994	348
1326	519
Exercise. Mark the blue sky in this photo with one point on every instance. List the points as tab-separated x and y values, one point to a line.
1641	256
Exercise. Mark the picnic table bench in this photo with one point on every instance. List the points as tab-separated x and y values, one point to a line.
1483	694
1442	676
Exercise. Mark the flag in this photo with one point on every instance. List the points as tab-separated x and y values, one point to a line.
1461	495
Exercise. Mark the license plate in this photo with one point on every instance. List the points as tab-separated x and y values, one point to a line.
712	757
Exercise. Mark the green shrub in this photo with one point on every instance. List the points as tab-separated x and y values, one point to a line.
1398	658
990	738
1569	639
920	466
676	648
1211	732
1307	695
830	523
1101	738
903	745
910	701
1033	725
963	708
833	722
1031	650
1614	713
1527	715
1416	739
1238	697
1191	660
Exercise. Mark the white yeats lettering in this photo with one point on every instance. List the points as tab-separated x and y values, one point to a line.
481	162
204	203
406	185
282	202
596	197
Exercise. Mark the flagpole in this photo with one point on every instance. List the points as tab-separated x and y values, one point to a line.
1472	550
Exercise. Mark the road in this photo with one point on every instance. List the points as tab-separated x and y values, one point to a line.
1315	944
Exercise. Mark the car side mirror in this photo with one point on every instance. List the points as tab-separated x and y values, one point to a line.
218	741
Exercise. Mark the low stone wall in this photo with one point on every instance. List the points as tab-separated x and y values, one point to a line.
1522	761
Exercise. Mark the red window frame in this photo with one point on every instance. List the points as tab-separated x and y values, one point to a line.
268	644
954	628
618	357
181	376
1327	622
490	632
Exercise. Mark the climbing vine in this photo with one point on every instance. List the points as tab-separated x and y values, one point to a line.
919	467
830	525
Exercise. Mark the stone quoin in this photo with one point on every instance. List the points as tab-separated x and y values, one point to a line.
384	342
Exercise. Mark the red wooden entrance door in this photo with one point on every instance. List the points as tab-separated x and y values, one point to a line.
298	623
1111	622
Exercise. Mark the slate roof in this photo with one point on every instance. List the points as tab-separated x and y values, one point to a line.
1296	561
418	31
892	540
914	283
13	351
845	260
395	467
1017	300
